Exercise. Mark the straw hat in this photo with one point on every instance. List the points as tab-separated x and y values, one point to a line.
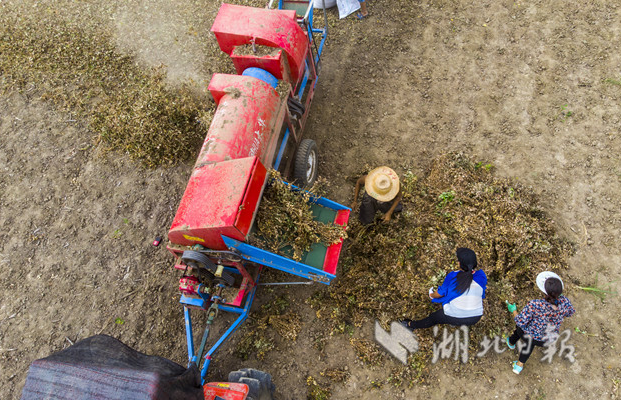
543	277
382	184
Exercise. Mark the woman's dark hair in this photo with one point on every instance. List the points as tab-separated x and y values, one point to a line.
554	288
467	262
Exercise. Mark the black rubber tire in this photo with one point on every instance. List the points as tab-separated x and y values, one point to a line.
259	383
305	168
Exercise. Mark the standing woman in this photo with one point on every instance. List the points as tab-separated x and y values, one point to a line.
539	317
461	295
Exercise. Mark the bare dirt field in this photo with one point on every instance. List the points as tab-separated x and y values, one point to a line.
533	88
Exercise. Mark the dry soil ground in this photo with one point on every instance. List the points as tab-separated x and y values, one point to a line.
532	87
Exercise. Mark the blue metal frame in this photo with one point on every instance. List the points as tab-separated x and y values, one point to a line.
304	80
281	151
188	334
275	261
322	201
323	31
324	36
243	314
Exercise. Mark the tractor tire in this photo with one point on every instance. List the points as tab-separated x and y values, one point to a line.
305	168
259	383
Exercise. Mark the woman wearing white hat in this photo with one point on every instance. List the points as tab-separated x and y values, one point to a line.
382	193
540	317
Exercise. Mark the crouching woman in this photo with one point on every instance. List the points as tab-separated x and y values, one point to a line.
461	295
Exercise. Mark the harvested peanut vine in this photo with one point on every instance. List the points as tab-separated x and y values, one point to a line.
387	268
285	223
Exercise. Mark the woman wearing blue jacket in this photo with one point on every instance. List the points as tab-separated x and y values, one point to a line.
461	295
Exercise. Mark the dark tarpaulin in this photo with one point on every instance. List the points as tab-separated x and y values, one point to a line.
101	367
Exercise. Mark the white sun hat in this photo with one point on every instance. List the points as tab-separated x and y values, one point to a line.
382	184
543	277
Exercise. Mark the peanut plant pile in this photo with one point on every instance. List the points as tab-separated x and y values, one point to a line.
285	222
75	66
275	317
387	269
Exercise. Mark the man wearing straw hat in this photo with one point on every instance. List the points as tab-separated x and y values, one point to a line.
382	193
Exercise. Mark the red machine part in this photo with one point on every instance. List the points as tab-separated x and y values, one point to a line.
273	63
224	190
220	199
247	282
228	178
332	253
188	285
227	391
247	122
239	25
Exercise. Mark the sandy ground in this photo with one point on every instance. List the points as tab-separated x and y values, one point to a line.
520	84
